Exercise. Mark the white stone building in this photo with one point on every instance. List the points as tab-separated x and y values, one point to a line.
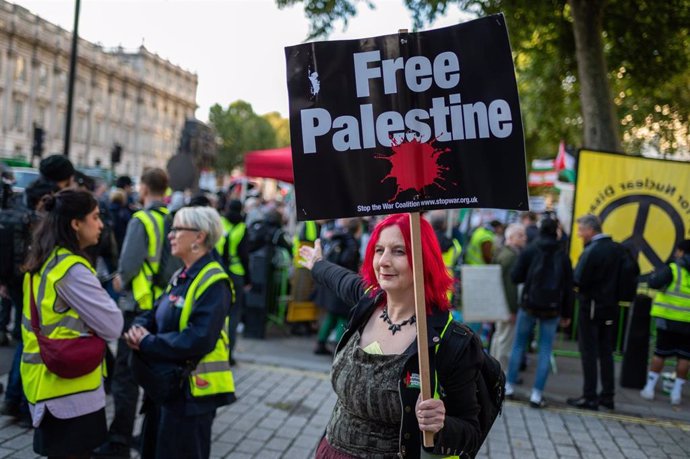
136	99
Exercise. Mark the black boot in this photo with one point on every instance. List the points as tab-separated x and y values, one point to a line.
321	349
583	403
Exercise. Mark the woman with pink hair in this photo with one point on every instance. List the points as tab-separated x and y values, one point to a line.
375	372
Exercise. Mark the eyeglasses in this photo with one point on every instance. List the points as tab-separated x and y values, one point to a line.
176	229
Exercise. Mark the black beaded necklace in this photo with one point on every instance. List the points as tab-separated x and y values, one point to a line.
396	327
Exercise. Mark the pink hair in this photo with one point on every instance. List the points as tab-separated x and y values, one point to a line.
437	281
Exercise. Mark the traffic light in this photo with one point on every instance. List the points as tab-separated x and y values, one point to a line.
116	154
39	136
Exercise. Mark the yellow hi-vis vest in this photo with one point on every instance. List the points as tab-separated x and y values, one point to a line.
450	256
674	302
474	248
212	375
227	246
227	226
143	288
310	235
40	383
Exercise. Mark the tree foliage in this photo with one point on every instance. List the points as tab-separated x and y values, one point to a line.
281	127
240	130
646	56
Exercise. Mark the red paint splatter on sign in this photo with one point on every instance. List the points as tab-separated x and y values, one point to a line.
414	165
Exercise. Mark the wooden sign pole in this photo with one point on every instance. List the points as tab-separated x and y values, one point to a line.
420	310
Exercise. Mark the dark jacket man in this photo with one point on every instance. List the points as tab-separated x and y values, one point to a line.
596	281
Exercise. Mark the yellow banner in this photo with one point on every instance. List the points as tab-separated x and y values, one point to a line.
643	203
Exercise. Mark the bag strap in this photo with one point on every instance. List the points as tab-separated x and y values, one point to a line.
226	249
34	310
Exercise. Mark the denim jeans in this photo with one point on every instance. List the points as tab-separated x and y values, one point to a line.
547	332
15	392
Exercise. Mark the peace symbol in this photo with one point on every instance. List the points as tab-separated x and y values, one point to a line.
637	242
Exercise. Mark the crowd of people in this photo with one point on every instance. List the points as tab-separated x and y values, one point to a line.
164	278
171	278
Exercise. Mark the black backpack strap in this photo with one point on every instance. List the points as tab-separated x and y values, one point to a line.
226	251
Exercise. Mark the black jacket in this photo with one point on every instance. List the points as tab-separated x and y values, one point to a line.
457	364
342	249
520	272
596	274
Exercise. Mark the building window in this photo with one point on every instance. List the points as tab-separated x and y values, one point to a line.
60	123
61	82
42	76
18	115
80	134
40	117
20	69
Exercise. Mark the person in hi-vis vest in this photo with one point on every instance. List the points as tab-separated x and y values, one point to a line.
138	264
671	309
189	326
233	249
68	413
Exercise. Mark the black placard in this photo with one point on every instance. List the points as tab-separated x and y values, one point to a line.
407	122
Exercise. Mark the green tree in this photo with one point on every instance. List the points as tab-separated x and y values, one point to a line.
281	126
590	71
240	130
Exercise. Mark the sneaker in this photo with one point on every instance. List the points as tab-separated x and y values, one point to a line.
537	404
675	401
509	391
647	393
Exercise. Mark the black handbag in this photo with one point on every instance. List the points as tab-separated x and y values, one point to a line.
162	381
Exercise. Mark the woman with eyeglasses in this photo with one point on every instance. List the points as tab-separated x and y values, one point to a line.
64	300
188	326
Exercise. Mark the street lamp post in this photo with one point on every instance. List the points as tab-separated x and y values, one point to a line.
72	77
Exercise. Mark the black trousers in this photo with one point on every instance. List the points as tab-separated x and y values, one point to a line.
169	434
595	340
236	309
124	390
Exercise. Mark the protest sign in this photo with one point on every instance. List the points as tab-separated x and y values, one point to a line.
643	203
407	122
483	296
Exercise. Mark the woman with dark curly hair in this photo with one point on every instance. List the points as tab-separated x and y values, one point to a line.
61	286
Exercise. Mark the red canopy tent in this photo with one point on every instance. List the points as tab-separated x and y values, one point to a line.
275	163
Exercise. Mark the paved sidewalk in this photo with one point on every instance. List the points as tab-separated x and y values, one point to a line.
285	400
282	413
296	352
